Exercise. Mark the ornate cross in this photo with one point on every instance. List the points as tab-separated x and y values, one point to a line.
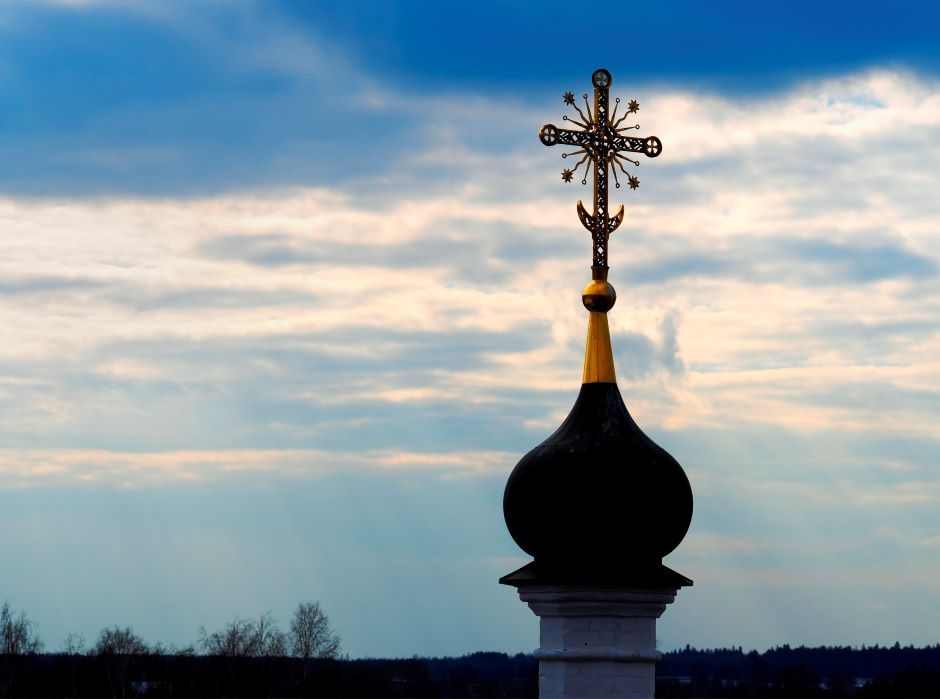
602	142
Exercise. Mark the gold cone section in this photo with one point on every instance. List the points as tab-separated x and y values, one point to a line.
598	356
598	297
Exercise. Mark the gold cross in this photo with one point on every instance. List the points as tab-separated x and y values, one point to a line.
602	142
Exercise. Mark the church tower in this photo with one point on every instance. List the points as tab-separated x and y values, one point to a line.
598	504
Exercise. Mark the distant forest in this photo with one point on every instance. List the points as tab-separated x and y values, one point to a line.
729	672
251	658
826	671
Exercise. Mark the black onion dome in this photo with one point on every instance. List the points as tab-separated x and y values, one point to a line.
598	497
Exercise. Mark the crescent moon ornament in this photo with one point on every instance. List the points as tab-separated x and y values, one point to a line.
616	220
586	219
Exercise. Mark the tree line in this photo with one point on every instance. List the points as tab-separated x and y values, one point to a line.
309	635
254	657
240	659
800	671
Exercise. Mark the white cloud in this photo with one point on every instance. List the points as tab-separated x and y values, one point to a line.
28	468
768	326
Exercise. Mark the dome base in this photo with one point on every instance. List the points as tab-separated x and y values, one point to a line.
609	575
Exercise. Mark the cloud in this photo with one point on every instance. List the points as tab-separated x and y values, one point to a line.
64	468
919	538
211	96
42	285
742	292
803	262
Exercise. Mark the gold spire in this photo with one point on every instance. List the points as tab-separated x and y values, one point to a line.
598	297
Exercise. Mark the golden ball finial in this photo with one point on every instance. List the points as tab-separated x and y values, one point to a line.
599	295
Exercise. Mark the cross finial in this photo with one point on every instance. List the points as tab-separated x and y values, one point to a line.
602	142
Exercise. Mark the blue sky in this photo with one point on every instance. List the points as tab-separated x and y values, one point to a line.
288	288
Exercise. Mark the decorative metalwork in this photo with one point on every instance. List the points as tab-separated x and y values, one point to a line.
601	142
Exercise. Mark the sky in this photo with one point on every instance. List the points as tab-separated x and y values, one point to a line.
288	288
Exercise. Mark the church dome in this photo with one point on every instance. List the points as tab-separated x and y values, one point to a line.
598	496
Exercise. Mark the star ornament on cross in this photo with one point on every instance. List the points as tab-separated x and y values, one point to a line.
601	142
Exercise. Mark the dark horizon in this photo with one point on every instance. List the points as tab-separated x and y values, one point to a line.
779	672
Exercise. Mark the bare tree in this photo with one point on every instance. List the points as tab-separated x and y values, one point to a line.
245	638
270	640
120	649
74	644
235	640
310	633
117	641
18	635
